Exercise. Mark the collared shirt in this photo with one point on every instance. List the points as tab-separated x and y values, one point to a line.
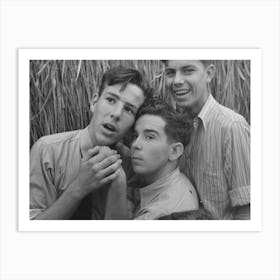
217	160
54	164
171	193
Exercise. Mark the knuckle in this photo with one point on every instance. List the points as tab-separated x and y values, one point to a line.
94	169
105	150
110	160
98	176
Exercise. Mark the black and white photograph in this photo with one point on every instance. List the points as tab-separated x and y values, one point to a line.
139	140
135	139
83	172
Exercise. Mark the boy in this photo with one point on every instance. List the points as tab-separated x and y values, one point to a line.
70	172
160	135
217	161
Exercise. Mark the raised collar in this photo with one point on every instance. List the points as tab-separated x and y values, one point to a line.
151	191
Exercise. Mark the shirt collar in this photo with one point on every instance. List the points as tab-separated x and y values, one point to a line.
85	142
205	113
153	190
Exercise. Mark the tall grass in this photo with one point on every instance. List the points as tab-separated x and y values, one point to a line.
60	90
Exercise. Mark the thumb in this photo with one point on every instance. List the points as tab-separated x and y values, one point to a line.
92	152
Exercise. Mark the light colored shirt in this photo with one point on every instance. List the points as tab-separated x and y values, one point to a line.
171	193
217	160
54	164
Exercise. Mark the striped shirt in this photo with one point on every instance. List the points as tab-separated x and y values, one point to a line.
217	160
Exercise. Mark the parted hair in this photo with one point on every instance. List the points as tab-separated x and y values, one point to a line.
124	76
178	127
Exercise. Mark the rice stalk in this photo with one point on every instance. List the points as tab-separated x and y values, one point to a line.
61	90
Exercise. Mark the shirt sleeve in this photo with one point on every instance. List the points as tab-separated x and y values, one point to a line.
43	192
237	163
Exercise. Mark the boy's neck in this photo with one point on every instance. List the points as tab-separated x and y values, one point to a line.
166	170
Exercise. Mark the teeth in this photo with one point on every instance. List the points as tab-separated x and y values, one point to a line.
181	92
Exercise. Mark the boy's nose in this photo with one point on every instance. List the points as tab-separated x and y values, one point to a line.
136	144
116	111
178	78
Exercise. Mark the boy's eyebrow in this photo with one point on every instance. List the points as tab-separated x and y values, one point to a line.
169	68
131	105
188	66
147	130
182	67
118	97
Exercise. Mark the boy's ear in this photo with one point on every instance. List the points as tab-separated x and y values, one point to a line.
176	150
93	102
211	69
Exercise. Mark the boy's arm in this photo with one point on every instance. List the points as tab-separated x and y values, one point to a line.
116	203
99	169
237	168
242	213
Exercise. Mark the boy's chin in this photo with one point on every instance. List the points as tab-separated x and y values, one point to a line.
139	171
106	141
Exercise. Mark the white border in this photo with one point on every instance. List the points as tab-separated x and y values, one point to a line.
24	55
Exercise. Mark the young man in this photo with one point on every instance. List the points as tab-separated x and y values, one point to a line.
160	134
217	161
70	172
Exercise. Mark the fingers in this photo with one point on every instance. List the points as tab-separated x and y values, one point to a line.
105	150
111	177
92	152
105	172
107	162
103	153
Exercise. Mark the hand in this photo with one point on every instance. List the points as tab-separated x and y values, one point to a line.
100	167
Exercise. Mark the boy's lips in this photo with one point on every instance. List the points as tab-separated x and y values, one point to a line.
136	158
180	92
110	127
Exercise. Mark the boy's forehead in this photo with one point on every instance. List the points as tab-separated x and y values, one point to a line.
182	63
130	93
150	122
115	88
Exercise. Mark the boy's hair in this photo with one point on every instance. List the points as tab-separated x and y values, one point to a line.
200	214
204	62
178	127
124	76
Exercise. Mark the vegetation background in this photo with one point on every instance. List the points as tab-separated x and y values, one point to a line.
60	90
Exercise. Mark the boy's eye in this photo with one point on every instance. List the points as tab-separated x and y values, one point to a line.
187	70
149	137
110	100
169	73
129	110
134	135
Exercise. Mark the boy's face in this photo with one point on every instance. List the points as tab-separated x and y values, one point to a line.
150	149
187	81
114	113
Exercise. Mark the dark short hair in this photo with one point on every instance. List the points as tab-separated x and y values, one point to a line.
204	62
200	214
124	76
178	127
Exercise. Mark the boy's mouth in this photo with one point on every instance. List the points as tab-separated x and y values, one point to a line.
110	127
181	92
